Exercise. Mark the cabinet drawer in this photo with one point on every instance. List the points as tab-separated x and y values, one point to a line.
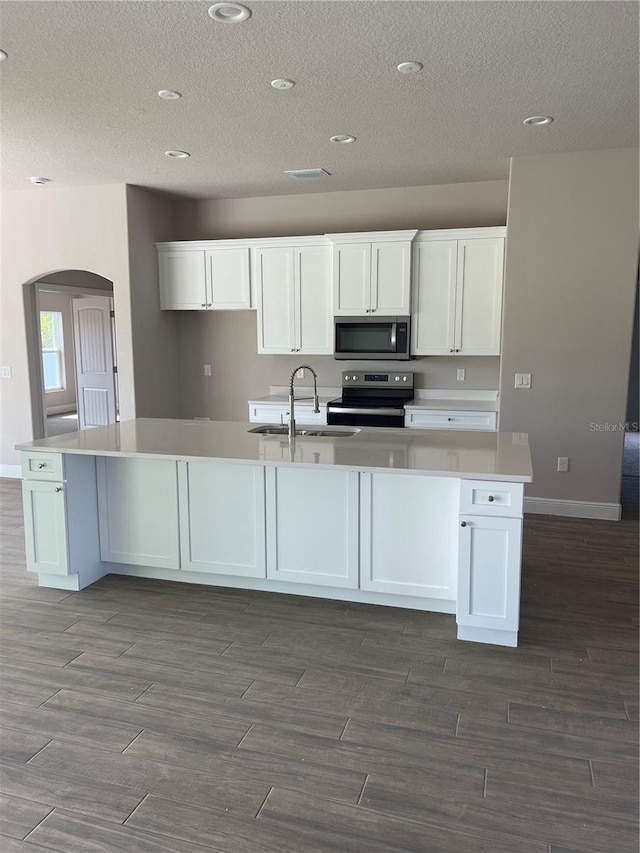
279	414
481	497
42	466
440	419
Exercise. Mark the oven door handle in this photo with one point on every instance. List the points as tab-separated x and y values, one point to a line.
394	337
342	411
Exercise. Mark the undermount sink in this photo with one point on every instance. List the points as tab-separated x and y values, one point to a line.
283	430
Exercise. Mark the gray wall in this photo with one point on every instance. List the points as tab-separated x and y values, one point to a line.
150	218
228	341
571	266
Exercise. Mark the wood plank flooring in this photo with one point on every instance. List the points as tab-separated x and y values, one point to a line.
148	717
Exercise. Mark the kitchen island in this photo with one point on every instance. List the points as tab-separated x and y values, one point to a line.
423	519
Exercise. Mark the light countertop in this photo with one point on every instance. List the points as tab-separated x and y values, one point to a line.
497	456
457	401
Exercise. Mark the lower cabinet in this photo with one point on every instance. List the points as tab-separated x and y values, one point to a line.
449	419
45	526
312	526
222	518
409	534
489	573
138	511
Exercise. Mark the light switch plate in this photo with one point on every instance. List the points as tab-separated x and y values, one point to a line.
563	464
5	373
460	374
207	370
523	380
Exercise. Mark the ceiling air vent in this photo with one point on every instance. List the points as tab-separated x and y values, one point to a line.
307	173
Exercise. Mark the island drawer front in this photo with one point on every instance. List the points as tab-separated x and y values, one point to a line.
481	497
274	413
440	419
42	466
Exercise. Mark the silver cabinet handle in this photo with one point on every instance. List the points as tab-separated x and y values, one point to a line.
42	465
491	499
449	419
204	305
451	350
58	488
463	524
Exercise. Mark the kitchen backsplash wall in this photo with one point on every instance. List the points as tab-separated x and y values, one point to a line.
227	341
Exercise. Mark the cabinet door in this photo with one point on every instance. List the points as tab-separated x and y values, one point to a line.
45	527
352	278
275	290
489	572
138	511
409	535
314	302
434	297
312	526
479	296
183	280
228	281
391	278
222	518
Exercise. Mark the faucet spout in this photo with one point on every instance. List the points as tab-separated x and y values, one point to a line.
316	404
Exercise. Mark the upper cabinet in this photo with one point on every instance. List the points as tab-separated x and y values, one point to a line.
196	277
457	292
293	293
372	273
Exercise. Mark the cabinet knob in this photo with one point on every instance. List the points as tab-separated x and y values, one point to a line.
451	350
58	488
491	499
457	350
449	419
463	524
204	305
42	465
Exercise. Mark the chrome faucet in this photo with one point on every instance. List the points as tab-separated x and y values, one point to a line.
316	405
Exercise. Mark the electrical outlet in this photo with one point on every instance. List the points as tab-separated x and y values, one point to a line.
523	380
207	370
300	373
460	374
5	373
563	464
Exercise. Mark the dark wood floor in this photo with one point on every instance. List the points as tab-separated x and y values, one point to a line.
144	717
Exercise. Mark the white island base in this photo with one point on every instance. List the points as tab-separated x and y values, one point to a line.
363	519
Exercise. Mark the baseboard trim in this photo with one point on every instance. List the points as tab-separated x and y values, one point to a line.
14	471
573	509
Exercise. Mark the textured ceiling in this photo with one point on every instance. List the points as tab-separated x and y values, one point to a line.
79	102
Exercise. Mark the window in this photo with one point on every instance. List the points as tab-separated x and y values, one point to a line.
52	350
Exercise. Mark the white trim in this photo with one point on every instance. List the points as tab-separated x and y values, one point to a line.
13	471
372	236
242	243
573	509
461	234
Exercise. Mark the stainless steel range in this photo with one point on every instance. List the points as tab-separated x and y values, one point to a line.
371	399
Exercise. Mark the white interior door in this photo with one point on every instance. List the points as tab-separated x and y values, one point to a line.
95	379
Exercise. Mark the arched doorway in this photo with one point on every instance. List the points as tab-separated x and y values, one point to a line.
71	351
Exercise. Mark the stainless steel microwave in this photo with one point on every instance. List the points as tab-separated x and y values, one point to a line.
382	338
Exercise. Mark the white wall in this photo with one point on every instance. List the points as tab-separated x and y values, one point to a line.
571	267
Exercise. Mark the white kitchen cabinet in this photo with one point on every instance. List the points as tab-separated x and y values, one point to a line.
45	525
222	518
138	511
198	278
408	530
294	299
278	413
312	526
372	276
457	292
489	578
426	418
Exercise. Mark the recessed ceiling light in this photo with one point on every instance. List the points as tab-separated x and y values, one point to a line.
169	95
177	155
283	84
229	13
39	182
410	67
307	173
3	55
342	139
537	121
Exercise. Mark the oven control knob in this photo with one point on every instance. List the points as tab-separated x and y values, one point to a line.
354	378
404	378
397	378
346	378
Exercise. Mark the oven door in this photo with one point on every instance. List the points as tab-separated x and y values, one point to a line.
385	338
365	417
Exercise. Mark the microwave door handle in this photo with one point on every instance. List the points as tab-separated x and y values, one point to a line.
394	335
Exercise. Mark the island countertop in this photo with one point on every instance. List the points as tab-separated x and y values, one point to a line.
497	456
